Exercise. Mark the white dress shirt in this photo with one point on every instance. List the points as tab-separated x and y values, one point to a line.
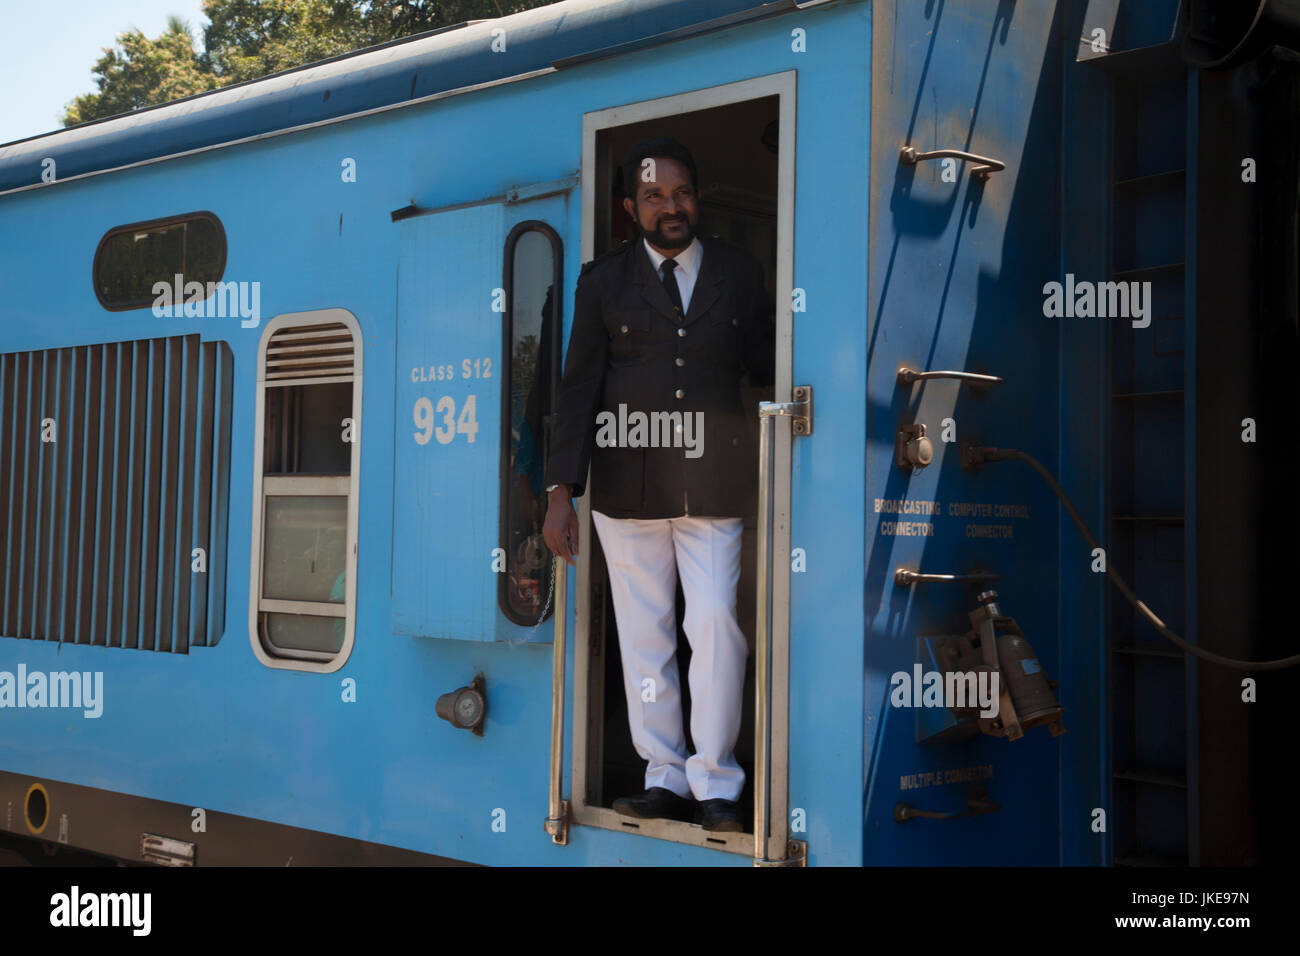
687	271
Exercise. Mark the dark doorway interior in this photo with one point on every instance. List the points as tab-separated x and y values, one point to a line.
735	151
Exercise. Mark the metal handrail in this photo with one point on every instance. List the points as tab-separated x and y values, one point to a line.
557	824
904	577
767	412
907	376
984	168
977	804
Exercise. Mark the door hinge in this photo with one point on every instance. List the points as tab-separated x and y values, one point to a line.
800	410
803	416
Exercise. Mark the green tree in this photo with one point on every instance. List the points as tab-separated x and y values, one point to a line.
248	39
141	72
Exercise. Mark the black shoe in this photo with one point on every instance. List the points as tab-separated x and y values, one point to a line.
655	803
720	816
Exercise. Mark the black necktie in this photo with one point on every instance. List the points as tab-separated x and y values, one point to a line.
670	286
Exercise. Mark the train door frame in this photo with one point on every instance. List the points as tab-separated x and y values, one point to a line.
783	86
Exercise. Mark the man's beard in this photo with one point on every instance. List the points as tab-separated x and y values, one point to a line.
657	238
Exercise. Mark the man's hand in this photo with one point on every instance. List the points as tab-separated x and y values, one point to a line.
561	527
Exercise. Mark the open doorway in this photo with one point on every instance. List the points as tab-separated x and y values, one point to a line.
737	150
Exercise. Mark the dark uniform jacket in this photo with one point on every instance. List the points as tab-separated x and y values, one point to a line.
628	346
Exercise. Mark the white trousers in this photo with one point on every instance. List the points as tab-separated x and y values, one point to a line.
644	557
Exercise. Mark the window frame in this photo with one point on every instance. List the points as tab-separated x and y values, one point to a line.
155	223
265	486
504	477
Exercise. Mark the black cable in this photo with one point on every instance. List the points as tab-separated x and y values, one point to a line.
1008	454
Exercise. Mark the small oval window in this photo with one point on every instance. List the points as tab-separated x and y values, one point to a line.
131	259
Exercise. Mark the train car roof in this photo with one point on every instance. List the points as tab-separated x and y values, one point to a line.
403	71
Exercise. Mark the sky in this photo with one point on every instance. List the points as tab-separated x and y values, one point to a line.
48	50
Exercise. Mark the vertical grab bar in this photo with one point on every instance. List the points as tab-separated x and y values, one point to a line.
762	678
801	413
557	820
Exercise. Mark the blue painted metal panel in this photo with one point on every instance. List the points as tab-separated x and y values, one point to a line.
445	500
446	523
831	245
957	270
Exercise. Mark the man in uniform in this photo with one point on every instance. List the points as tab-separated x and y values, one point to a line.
668	323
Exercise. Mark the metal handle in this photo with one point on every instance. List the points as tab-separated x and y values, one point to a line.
984	168
904	577
977	803
906	376
767	411
800	413
557	820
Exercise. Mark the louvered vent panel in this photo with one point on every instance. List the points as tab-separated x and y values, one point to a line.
310	353
116	469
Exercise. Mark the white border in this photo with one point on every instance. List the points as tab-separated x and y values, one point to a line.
290	319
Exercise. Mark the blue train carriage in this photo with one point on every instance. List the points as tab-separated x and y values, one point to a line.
355	402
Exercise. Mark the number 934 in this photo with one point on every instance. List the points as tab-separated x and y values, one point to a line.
441	422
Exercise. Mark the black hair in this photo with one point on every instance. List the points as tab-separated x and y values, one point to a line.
660	148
